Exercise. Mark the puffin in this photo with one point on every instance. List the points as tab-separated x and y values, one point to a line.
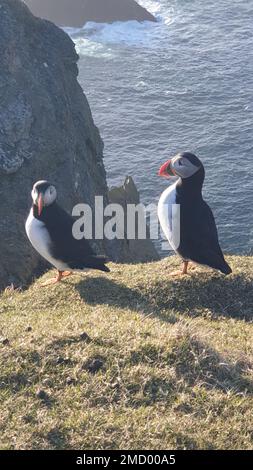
182	205
49	229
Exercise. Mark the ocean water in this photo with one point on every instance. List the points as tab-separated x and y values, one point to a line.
185	83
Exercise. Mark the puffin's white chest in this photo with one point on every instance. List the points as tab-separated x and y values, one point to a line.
169	216
41	241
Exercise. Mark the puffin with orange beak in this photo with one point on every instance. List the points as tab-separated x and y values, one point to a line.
186	219
49	229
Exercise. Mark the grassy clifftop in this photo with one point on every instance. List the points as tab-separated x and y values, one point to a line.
133	359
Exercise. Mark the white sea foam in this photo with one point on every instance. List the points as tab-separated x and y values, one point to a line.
141	84
88	47
130	33
154	6
159	9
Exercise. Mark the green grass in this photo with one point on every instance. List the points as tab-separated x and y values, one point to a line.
130	360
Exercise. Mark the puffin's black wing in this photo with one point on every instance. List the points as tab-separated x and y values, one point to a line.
77	254
200	242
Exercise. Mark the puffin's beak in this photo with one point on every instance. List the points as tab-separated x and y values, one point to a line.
166	170
40	204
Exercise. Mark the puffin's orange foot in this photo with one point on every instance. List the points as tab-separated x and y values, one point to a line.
50	282
54	280
184	272
179	273
58	278
67	274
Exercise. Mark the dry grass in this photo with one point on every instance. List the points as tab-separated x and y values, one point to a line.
130	360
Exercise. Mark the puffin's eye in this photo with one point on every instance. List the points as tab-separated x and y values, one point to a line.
180	163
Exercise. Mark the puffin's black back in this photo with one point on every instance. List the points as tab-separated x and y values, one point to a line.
199	240
78	254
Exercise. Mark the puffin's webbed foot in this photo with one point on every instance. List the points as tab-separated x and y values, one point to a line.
58	278
184	271
67	273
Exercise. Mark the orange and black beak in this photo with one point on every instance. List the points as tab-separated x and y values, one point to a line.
166	170
40	204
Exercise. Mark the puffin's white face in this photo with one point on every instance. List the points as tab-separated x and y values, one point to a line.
43	194
183	165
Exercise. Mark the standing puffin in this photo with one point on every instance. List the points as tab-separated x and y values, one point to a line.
49	229
198	237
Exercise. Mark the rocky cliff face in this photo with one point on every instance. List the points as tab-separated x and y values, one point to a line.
46	132
76	13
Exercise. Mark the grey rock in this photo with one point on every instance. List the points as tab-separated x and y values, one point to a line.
76	13
132	250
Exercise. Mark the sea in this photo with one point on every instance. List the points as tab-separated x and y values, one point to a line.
184	83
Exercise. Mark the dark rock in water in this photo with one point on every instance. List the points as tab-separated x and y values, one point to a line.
76	13
135	250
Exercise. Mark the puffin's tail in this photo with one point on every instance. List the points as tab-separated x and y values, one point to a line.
225	269
97	262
